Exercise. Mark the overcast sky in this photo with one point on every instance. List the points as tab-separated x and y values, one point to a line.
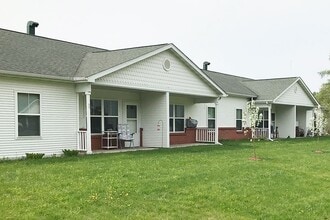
252	38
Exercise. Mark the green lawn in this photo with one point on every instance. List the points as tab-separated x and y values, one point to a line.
291	181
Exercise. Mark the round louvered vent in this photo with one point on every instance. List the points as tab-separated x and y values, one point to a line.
167	65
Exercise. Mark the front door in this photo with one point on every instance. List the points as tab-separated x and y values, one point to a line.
132	119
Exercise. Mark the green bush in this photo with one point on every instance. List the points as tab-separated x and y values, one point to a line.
34	155
70	153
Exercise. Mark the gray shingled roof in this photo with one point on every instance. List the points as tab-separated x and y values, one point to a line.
263	89
21	52
232	85
269	89
96	62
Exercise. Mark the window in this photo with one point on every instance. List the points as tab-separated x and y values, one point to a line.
239	119
28	114
104	115
211	117
176	118
131	115
264	122
110	115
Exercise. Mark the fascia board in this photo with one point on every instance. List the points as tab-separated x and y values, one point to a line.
305	88
197	69
285	90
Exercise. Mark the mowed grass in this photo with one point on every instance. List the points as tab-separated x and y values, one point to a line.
291	181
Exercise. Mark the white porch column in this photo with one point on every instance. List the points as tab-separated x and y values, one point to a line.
216	126
294	121
167	122
269	120
88	122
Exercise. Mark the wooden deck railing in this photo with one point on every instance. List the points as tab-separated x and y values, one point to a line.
205	135
82	140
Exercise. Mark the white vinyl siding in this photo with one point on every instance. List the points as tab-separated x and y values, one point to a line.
286	120
154	113
58	121
295	95
227	113
150	75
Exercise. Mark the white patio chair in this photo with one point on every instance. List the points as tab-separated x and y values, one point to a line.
125	135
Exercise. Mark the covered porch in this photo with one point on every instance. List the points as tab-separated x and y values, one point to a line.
284	121
157	119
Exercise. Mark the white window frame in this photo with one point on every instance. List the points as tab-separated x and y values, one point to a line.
208	118
263	120
18	114
102	116
174	117
239	119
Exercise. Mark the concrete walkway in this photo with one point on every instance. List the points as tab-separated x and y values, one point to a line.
130	149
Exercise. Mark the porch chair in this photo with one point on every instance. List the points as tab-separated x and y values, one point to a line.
125	135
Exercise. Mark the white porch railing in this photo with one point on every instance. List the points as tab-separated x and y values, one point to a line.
205	135
261	132
82	140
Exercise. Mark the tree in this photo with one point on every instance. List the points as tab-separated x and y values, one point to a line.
324	73
320	122
252	118
324	99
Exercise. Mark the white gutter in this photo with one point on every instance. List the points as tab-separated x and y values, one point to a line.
41	76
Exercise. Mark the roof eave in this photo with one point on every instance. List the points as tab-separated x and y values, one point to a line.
309	91
36	75
264	101
197	69
242	95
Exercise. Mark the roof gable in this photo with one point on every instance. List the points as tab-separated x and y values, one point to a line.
269	89
298	94
153	51
150	75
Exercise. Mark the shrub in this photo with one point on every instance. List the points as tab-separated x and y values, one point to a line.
70	153
34	155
